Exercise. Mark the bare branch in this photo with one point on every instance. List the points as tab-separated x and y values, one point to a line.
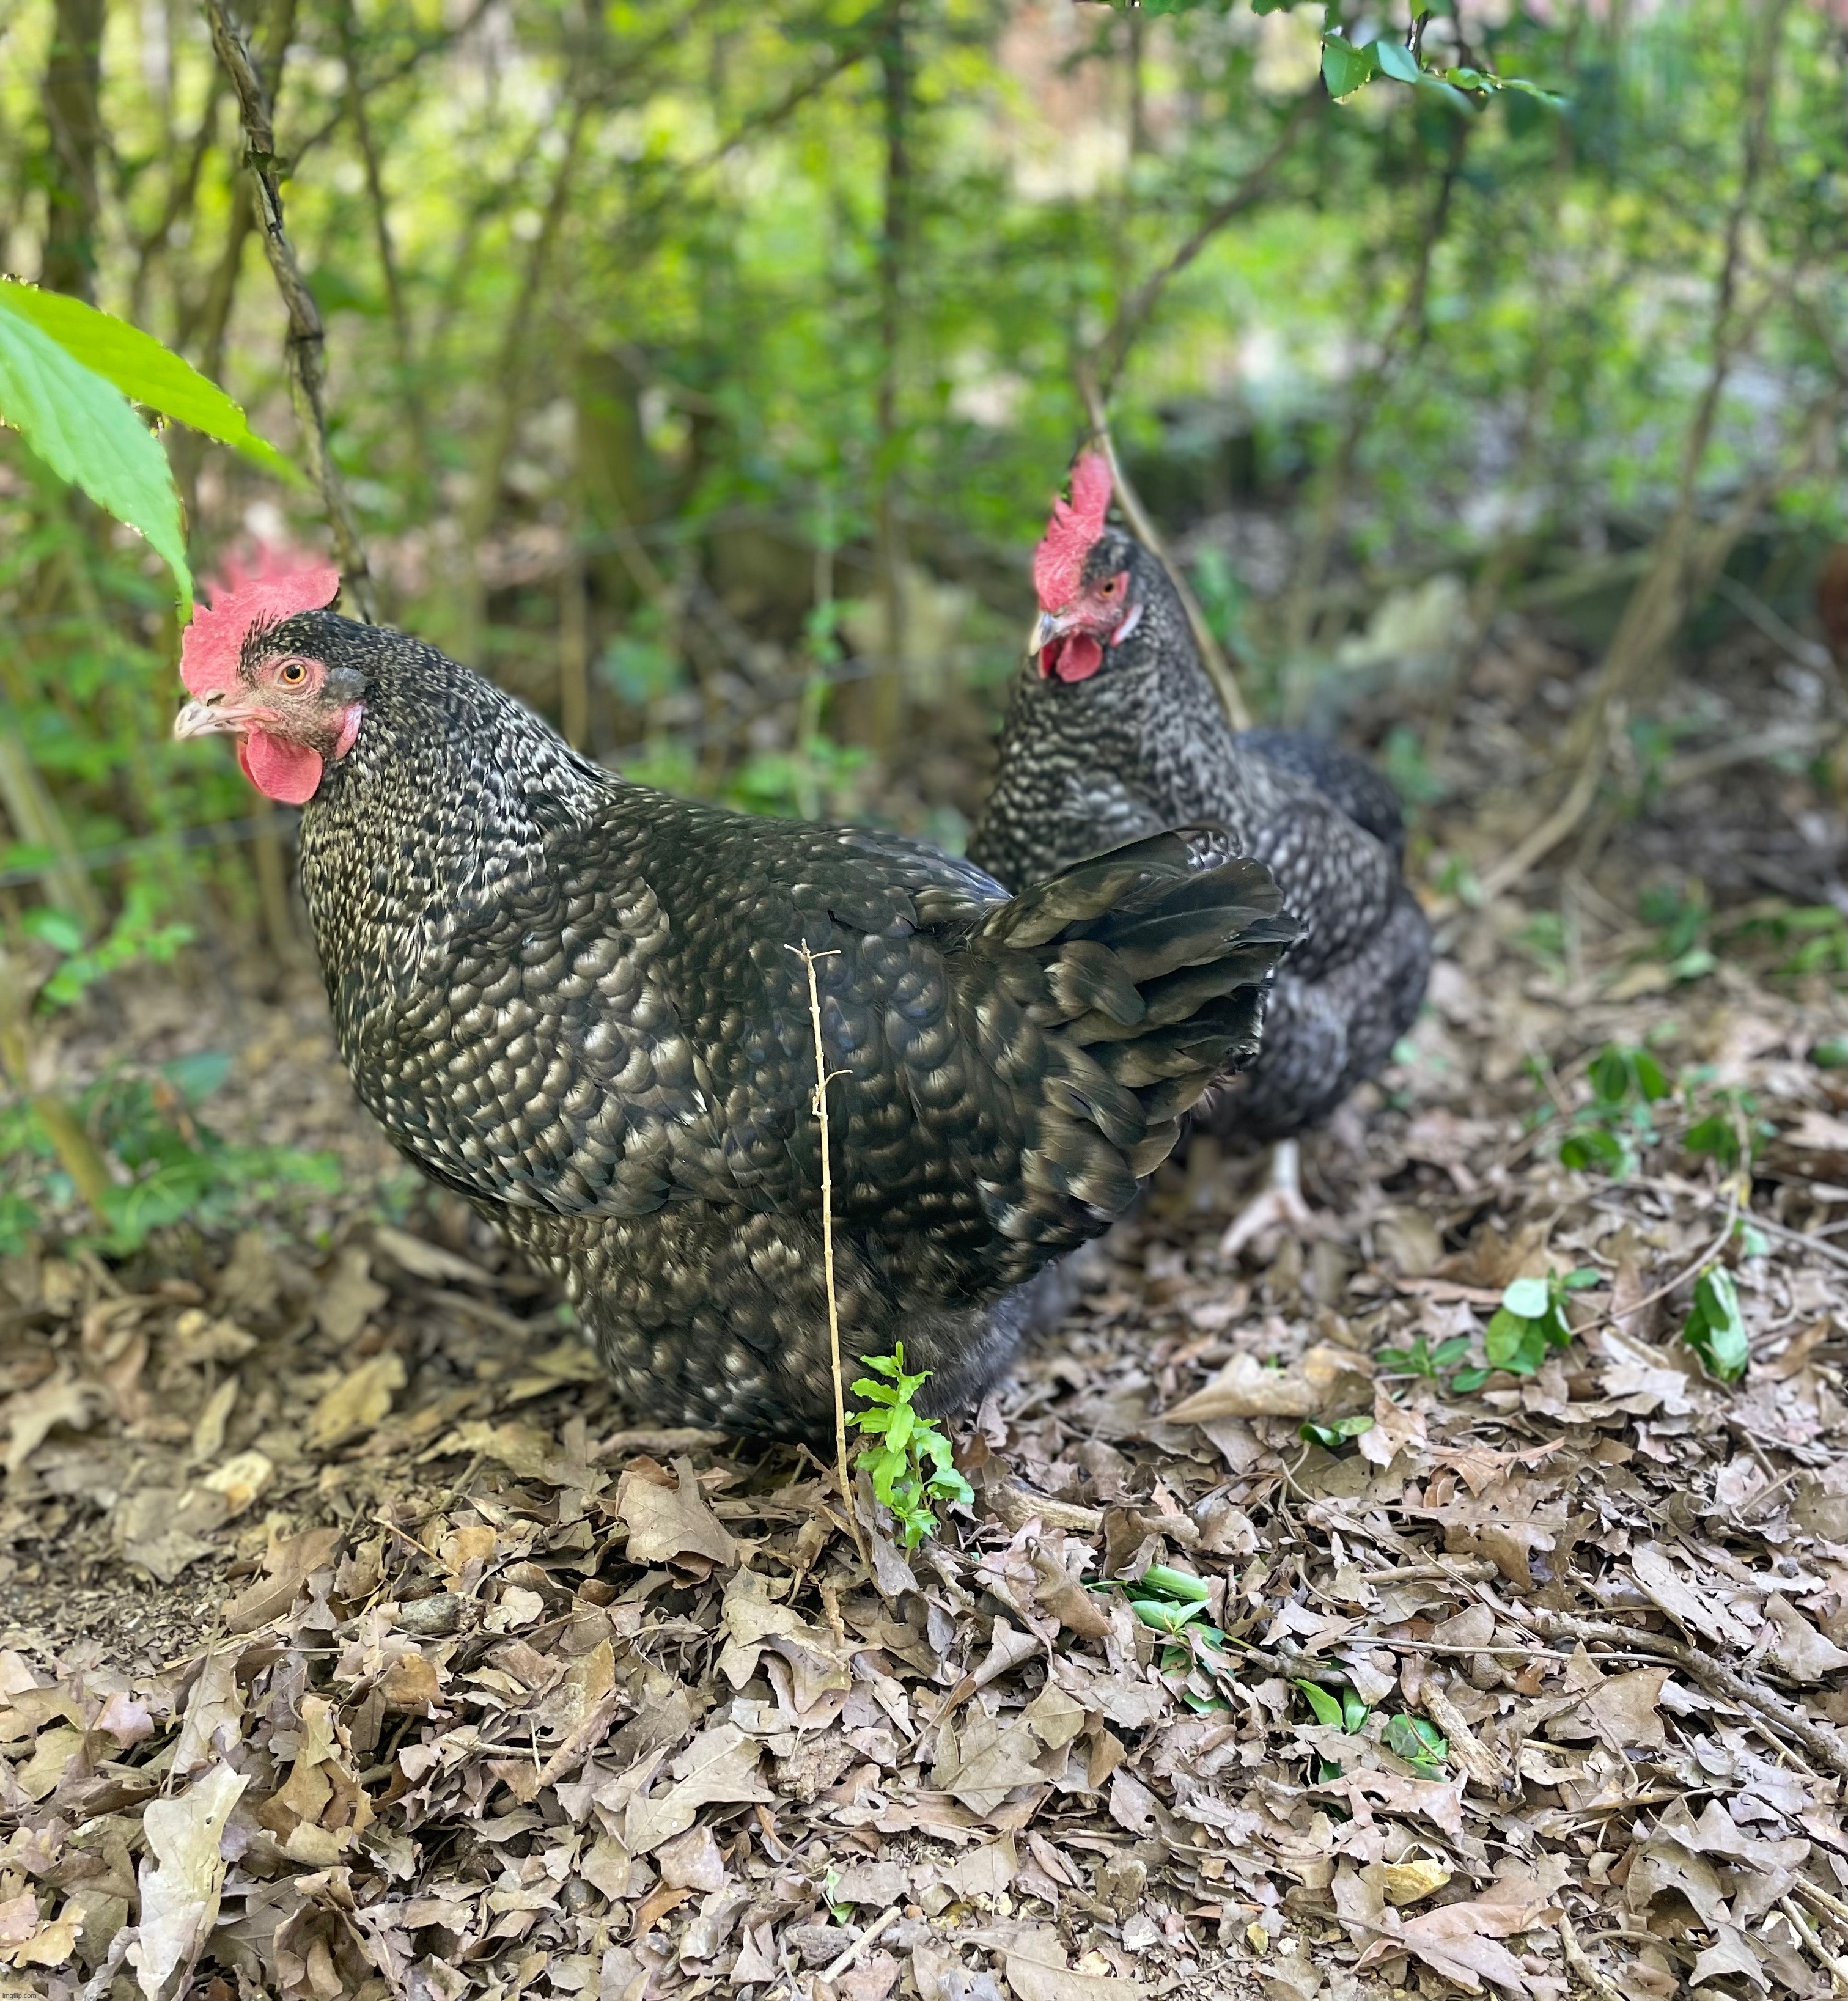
1133	314
307	340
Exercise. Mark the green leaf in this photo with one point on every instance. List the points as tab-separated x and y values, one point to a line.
1592	1146
1528	1297
1417	1741
1449	1352
1181	1584
84	429
1716	1328
1163	1615
140	366
1466	1381
1353	1711
1832	1054
1583	1279
1396	61
1344	67
1504	1337
1331	1436
1325	1704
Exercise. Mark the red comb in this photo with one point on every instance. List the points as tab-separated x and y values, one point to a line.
1076	525
282	583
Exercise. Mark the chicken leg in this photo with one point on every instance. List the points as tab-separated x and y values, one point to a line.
1278	1206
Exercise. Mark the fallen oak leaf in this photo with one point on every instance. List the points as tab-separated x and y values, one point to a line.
1461	1942
181	1879
665	1523
1246	1388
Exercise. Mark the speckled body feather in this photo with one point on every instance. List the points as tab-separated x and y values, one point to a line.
573	1000
1142	744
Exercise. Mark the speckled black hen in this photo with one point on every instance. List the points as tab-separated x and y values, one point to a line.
1114	731
574	1000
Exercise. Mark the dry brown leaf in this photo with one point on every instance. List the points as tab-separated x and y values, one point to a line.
1246	1388
667	1522
1462	1942
356	1403
181	1879
720	1766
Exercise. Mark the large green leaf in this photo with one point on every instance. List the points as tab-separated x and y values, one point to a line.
86	432
140	366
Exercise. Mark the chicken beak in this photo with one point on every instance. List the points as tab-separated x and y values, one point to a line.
210	717
1048	626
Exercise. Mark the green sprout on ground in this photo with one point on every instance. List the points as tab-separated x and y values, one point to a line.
1338	1432
910	1463
1609	1133
1716	1328
1529	1322
1421	1744
1173	1602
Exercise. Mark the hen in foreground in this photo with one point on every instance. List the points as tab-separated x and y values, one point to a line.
578	1002
1114	730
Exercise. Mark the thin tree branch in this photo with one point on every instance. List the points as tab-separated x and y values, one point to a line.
508	406
1133	313
1219	665
307	340
388	260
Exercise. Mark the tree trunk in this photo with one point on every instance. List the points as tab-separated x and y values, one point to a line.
74	136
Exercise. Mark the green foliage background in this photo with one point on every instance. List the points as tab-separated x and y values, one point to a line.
703	371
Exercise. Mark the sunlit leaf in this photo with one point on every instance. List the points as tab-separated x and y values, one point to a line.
1344	67
1395	60
86	430
140	366
1716	1328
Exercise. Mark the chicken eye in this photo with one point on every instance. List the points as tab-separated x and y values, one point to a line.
292	673
1109	587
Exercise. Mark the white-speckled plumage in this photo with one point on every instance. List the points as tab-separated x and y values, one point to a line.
1143	743
575	1002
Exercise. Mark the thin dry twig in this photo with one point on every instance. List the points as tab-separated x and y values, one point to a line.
307	339
1783	1717
1219	665
821	1078
1812	1940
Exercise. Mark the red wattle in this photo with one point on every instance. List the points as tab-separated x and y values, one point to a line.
287	772
1075	658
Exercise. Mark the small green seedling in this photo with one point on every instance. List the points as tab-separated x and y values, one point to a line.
1421	1359
909	1461
1422	1745
1607	1134
1831	1053
1343	1710
1173	1602
1332	1437
1716	1328
1681	917
1530	1321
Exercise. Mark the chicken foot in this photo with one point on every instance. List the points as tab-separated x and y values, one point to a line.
1279	1205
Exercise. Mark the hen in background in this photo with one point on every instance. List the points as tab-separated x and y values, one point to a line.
580	1004
1114	731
